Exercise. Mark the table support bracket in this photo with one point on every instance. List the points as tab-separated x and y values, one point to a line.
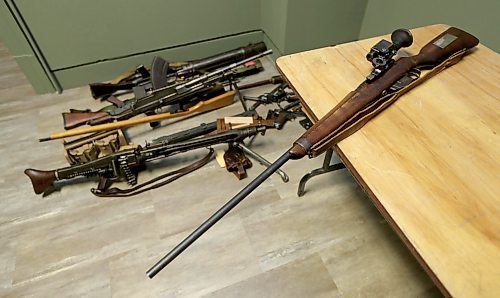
323	170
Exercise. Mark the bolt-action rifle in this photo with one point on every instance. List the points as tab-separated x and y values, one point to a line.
204	86
125	164
216	102
389	80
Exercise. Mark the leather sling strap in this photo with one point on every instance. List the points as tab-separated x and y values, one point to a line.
156	182
371	110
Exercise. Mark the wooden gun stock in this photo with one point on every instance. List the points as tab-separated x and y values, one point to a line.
445	45
323	134
41	180
75	119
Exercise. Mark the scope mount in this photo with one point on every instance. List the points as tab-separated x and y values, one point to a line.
381	54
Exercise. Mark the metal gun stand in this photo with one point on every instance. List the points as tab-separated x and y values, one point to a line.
323	170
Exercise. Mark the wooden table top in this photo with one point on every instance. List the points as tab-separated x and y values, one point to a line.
430	162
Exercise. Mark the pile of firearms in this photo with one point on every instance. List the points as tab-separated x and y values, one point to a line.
389	79
168	90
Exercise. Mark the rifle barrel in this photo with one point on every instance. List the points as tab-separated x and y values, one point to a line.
221	59
330	129
217	215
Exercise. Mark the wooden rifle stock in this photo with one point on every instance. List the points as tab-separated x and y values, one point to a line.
41	180
324	133
74	119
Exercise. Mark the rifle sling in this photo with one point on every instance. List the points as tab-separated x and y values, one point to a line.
359	119
174	175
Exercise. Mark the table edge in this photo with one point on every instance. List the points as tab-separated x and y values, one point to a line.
385	214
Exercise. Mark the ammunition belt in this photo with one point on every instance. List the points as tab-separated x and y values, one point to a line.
155	182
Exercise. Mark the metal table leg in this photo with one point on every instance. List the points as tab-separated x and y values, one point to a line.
324	169
262	161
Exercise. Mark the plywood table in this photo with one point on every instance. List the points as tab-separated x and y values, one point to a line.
430	162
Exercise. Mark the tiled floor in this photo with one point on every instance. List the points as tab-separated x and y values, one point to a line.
330	243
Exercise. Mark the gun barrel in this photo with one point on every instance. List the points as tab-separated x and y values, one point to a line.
194	132
215	73
222	58
217	216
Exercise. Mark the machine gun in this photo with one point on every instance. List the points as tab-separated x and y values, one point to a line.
278	95
163	72
204	86
360	105
103	143
125	164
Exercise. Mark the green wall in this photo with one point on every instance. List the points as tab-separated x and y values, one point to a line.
109	29
273	15
480	17
81	41
319	23
298	25
15	39
110	68
64	44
